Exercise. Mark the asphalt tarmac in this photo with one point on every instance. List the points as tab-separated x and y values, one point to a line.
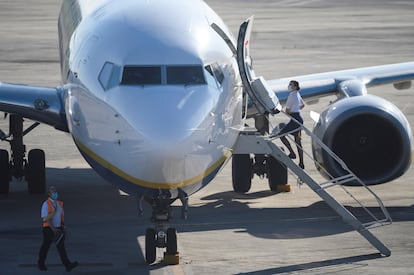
226	233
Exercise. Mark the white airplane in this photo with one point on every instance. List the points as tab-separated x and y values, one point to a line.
154	96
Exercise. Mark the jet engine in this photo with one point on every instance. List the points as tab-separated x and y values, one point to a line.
370	134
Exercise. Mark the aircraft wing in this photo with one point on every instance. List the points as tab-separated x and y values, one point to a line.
42	104
347	82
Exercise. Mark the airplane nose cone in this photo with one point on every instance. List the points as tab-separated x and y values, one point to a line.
166	137
174	127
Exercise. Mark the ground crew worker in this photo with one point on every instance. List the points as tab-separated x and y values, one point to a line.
294	104
52	214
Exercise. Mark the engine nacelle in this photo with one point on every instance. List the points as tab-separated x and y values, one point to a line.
371	135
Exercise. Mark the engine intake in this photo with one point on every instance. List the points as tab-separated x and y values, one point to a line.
370	134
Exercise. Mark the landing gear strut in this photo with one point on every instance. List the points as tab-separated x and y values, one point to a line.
161	235
32	169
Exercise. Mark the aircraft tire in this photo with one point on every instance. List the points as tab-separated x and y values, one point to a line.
277	174
150	246
4	172
171	241
35	172
242	169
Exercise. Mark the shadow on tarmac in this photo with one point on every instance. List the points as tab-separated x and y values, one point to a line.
92	197
314	265
227	210
95	207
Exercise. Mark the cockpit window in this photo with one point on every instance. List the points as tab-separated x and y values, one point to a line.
161	75
141	75
109	75
215	74
185	75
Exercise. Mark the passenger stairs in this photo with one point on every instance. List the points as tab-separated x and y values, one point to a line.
252	142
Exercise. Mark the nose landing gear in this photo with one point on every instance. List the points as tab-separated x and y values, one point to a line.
161	235
161	238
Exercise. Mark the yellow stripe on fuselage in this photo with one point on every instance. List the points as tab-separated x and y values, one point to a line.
148	184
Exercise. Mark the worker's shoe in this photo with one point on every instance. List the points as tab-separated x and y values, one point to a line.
41	267
71	266
301	165
292	155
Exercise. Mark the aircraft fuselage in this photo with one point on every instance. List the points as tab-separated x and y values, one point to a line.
153	97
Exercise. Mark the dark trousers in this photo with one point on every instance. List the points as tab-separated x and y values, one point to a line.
48	238
291	126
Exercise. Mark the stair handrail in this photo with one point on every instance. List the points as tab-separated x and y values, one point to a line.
332	154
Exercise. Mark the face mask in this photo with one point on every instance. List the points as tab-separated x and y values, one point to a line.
54	196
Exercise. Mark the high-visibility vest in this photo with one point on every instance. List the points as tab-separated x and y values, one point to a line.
51	209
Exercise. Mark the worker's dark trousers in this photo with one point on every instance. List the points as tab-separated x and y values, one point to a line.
48	238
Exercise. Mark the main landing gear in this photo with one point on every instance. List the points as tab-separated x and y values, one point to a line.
245	166
17	166
161	235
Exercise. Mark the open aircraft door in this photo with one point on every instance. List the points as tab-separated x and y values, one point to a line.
265	102
262	96
246	160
